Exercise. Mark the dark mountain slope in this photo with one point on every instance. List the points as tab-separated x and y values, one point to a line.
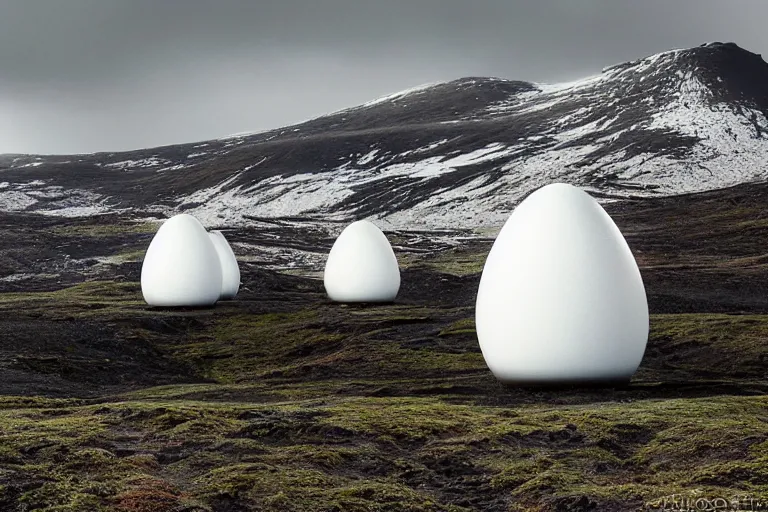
452	155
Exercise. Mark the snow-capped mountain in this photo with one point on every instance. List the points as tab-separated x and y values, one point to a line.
454	154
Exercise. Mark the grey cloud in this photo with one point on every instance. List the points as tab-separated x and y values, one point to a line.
86	75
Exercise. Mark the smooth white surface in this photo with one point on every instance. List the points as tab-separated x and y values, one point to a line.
561	297
230	270
181	267
361	266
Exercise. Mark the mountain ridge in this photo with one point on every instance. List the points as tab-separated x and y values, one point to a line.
456	154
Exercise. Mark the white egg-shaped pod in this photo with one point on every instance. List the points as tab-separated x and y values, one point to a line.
230	270
561	298
361	266
181	266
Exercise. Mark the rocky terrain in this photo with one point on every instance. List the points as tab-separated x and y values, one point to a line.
283	401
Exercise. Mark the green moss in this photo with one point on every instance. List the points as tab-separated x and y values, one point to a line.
463	326
395	360
131	256
518	471
718	346
328	457
460	261
383	496
259	480
745	475
56	449
36	402
281	455
417	419
305	490
58	498
385	407
90	299
104	290
244	348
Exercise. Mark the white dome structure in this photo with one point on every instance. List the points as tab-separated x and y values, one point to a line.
181	267
561	298
230	271
361	266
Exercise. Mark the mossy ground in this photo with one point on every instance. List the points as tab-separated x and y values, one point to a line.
379	453
461	261
281	400
384	407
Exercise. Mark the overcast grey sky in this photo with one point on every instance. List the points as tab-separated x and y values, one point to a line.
93	75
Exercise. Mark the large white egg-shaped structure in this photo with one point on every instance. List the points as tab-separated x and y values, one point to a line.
361	266
561	299
230	270
181	266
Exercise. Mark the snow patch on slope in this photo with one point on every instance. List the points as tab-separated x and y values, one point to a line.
139	164
316	194
51	200
80	211
15	201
